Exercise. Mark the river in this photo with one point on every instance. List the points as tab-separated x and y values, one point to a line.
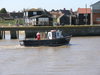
80	57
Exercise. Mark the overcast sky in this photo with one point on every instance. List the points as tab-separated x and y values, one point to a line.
18	5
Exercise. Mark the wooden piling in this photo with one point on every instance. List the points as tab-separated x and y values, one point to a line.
1	34
30	34
13	34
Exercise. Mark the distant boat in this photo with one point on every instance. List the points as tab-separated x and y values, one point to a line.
51	41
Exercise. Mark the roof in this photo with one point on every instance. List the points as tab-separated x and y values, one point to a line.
66	12
56	13
37	16
34	9
95	3
96	6
84	10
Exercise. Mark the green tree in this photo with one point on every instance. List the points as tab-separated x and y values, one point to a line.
3	10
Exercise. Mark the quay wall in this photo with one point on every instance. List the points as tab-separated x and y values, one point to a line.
71	30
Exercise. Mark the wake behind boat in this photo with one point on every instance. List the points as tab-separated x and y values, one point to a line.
54	38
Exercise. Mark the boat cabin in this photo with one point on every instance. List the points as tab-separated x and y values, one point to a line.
53	34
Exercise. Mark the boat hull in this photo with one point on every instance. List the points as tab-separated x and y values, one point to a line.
53	42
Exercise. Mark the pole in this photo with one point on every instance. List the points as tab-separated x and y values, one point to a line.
70	20
86	15
91	14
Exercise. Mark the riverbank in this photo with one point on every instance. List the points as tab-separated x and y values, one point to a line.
74	30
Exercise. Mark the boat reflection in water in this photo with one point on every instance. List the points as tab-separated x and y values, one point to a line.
54	38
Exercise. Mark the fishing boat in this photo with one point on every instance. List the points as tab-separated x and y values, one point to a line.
54	39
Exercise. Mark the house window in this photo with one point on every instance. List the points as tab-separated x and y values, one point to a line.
43	21
85	14
34	13
33	21
97	19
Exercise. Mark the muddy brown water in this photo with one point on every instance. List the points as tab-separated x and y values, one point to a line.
80	57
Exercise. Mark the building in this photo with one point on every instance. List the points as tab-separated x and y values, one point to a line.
83	16
38	17
41	20
11	15
67	17
55	14
16	15
64	18
5	16
96	12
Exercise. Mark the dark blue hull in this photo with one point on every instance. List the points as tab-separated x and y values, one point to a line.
53	42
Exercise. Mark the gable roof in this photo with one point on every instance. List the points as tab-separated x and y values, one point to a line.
84	10
96	6
57	14
66	12
96	3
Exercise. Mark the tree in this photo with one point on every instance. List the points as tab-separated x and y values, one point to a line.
3	10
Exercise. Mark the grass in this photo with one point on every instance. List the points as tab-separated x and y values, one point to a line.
7	22
11	22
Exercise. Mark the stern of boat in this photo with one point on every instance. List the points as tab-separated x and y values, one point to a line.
21	42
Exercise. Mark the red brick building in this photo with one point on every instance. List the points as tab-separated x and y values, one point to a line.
96	18
96	12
